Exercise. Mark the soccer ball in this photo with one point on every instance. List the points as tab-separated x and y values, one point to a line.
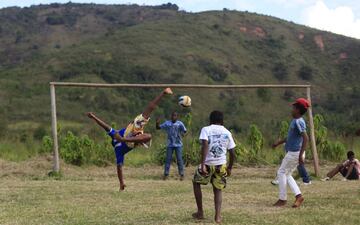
185	101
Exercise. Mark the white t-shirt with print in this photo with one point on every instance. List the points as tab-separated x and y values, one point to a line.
220	140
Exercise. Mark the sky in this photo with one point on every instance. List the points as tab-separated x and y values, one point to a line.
337	16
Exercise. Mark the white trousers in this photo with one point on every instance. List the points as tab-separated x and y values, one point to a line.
288	165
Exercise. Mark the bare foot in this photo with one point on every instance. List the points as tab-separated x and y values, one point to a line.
122	187
168	91
218	220
198	215
90	115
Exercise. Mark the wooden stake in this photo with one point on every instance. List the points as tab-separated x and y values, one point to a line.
56	167
312	136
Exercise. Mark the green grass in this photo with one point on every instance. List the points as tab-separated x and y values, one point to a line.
90	196
17	151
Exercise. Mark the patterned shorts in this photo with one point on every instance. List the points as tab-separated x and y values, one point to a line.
216	176
135	128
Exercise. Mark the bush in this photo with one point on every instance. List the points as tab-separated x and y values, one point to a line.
255	140
305	73
215	72
55	20
334	150
72	149
284	128
39	133
321	132
46	145
280	71
191	153
264	94
159	155
242	154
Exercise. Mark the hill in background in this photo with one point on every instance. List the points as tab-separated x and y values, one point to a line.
160	44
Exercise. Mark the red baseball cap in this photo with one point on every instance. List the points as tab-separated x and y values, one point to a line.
302	101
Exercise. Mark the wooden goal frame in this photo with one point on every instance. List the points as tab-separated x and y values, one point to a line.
56	160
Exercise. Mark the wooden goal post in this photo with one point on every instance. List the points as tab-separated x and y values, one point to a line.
56	166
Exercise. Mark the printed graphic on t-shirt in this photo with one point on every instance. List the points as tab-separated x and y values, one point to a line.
218	145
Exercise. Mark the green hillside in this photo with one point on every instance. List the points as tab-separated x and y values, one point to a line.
137	44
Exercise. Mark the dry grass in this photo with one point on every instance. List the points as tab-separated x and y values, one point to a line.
89	196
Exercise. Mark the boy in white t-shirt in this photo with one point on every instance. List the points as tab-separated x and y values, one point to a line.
216	141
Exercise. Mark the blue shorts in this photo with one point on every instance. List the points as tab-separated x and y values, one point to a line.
120	148
120	152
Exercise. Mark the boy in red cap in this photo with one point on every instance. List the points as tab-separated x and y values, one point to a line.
295	145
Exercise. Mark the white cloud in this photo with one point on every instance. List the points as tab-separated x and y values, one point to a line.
340	20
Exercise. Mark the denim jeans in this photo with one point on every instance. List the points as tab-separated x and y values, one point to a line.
303	173
179	159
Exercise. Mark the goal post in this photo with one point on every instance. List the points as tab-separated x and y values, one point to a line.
307	87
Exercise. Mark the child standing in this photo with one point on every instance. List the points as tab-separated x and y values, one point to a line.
295	145
175	129
216	141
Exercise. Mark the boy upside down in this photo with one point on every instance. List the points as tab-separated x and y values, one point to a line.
128	138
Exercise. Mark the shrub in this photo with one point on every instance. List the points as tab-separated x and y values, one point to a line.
46	145
280	71
264	94
191	153
159	155
169	6
215	72
321	132
255	140
242	153
103	153
305	73
39	133
284	128
55	20
334	150
72	149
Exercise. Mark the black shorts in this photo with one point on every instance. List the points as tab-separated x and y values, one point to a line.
354	175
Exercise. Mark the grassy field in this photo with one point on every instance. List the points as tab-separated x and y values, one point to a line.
89	195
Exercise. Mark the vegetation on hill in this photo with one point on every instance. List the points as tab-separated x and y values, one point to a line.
160	44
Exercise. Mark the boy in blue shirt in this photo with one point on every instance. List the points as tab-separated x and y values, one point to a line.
126	139
175	129
295	145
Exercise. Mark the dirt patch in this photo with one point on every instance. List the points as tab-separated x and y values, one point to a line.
190	57
319	42
258	31
343	55
243	29
301	36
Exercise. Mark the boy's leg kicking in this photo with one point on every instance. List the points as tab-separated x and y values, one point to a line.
155	102
134	133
